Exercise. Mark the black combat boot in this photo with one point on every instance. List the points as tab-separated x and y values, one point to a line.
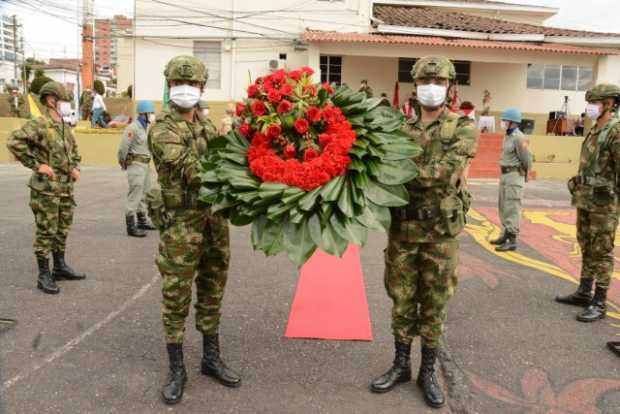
45	280
582	297
177	377
399	373
144	223
500	240
62	271
509	244
212	364
597	308
132	229
427	380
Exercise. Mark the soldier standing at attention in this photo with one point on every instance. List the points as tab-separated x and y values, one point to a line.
365	87
422	253
134	157
47	146
595	194
194	242
515	163
17	104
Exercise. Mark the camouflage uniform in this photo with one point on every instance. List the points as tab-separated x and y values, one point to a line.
422	253
595	195
194	242
17	105
86	104
45	141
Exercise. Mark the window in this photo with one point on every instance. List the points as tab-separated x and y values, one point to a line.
211	55
559	77
331	69
463	71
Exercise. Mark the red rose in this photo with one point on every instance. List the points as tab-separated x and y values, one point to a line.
295	74
328	88
252	91
290	151
286	90
239	108
310	154
274	130
307	71
324	139
258	108
245	129
278	76
310	89
284	106
274	96
313	114
301	126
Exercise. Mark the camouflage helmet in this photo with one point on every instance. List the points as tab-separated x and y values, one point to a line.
55	89
186	68
603	91
434	67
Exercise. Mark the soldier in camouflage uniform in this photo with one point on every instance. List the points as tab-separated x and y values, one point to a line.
193	242
134	157
47	146
365	87
17	104
86	104
422	253
515	163
595	194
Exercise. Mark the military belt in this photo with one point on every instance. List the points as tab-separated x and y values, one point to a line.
506	170
62	178
588	180
139	158
419	214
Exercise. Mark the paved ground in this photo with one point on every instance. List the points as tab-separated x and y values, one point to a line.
97	347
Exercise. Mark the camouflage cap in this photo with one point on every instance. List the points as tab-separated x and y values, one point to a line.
433	67
603	91
55	89
186	68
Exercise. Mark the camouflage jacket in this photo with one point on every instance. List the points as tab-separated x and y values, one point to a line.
437	196
21	103
598	187
45	141
177	147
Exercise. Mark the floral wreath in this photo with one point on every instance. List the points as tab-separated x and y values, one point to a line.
309	166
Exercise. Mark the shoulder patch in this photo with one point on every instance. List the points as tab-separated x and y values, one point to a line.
129	134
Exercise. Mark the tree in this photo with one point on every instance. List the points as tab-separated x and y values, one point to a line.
38	82
99	87
26	68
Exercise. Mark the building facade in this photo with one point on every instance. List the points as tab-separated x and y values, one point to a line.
11	50
107	33
503	48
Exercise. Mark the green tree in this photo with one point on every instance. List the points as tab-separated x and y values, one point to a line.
38	82
26	68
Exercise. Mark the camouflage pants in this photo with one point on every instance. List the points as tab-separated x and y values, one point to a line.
53	217
510	196
194	246
420	278
596	233
139	180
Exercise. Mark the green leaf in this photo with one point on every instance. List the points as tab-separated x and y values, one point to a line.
299	245
258	227
270	191
248	197
358	152
357	165
360	181
331	242
337	224
235	157
368	219
331	191
240	219
292	194
395	152
382	215
236	139
306	203
345	204
244	183
387	196
396	172
217	143
314	227
272	238
296	216
277	210
356	233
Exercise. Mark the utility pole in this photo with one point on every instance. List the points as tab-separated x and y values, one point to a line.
15	50
88	67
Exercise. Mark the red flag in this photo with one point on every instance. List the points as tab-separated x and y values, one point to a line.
396	99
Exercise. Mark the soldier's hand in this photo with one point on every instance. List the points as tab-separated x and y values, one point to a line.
75	174
46	170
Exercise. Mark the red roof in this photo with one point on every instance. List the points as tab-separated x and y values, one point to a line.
336	37
432	18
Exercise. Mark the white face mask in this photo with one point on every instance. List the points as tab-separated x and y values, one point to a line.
504	125
151	118
185	96
431	95
64	108
205	112
593	111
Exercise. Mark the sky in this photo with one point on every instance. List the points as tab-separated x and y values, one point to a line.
48	36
